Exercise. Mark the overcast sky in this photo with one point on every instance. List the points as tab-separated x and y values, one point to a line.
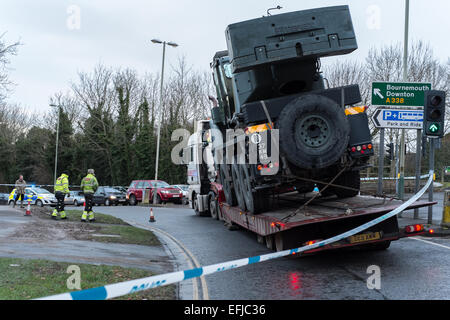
63	37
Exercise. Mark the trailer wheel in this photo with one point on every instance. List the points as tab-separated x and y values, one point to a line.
279	242
228	191
269	242
314	131
238	186
378	246
259	238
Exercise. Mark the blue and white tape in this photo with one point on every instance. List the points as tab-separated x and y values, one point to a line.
127	287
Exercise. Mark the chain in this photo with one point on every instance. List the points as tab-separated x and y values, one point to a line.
331	184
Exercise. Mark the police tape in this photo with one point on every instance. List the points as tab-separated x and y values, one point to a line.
389	178
127	287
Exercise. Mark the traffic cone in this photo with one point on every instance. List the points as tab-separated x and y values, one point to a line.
28	212
152	217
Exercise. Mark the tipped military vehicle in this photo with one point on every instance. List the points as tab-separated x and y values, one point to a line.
277	128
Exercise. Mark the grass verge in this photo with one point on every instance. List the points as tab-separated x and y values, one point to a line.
29	279
75	215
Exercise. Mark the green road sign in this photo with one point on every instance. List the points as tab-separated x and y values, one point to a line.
406	94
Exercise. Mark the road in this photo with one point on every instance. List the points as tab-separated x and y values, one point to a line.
410	269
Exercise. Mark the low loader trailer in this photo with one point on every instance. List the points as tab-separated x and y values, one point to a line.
292	219
289	225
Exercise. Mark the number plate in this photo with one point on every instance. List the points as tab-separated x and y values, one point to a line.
175	195
365	237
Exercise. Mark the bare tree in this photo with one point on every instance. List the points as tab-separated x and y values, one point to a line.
6	51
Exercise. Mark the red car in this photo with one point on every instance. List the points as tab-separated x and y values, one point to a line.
165	193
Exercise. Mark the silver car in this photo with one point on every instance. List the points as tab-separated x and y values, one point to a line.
75	198
185	190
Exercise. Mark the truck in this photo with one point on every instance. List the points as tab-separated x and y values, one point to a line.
282	153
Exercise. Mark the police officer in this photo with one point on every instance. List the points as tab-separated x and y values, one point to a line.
61	190
89	185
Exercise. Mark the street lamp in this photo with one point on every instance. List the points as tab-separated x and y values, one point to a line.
172	44
57	138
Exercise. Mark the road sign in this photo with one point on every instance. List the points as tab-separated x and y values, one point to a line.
406	94
398	118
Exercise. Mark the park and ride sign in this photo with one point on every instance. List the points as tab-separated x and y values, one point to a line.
399	94
400	104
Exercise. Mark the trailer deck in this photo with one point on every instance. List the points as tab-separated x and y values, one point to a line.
283	215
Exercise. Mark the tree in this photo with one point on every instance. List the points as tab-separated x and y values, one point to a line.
6	51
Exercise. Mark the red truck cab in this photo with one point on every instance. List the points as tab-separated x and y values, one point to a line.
165	193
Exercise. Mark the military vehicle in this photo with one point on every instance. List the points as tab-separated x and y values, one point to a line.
277	127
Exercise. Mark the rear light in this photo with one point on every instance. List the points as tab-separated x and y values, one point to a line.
369	146
310	242
353	149
431	231
364	147
414	228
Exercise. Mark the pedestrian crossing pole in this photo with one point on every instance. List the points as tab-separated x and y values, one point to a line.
430	189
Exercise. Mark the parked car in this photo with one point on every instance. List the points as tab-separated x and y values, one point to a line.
37	196
120	188
109	196
185	190
165	193
4	198
75	198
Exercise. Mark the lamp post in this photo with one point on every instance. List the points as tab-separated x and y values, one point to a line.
401	184
57	138
158	134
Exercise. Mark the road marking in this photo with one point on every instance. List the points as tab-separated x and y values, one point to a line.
430	242
189	257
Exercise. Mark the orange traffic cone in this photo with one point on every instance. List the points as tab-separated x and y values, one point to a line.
152	217
28	212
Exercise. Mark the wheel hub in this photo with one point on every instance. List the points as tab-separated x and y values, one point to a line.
313	131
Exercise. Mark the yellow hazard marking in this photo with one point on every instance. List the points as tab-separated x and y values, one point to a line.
258	128
355	110
446	217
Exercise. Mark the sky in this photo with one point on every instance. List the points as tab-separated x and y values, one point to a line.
61	38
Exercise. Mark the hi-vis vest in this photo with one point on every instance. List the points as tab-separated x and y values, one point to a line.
89	184
62	184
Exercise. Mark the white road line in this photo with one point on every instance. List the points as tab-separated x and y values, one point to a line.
430	242
190	258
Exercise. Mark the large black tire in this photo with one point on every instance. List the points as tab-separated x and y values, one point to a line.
255	201
349	179
238	186
227	186
314	132
213	205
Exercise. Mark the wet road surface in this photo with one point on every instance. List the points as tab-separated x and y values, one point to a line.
409	269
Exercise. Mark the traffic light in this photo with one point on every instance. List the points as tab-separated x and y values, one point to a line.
434	113
390	151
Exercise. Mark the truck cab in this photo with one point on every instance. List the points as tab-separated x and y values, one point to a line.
200	166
